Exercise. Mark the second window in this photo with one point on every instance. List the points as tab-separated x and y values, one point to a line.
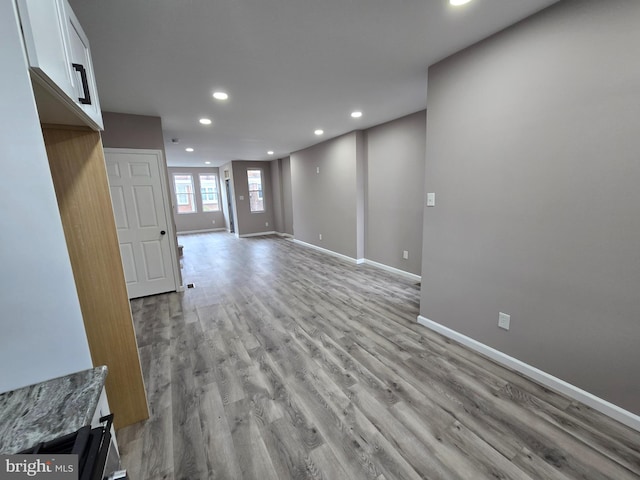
256	197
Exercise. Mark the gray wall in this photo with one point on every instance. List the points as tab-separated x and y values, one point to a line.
276	186
532	149
122	130
326	202
250	223
282	202
395	192
199	221
43	333
367	200
287	198
361	180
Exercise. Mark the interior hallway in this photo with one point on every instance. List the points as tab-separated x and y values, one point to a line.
284	362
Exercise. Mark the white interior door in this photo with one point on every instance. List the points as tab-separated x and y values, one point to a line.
138	199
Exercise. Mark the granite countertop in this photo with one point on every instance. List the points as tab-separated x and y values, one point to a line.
49	409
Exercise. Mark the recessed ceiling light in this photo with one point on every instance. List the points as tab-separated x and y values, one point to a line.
270	152
356	114
458	2
207	163
319	132
205	121
220	95
188	149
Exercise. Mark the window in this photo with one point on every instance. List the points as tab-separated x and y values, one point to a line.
256	199
185	199
209	192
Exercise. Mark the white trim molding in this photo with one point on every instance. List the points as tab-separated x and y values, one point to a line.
257	234
617	413
397	271
360	261
189	232
329	252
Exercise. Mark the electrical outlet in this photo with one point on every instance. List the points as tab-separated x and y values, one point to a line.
213	221
317	169
405	254
320	236
431	199
504	321
266	224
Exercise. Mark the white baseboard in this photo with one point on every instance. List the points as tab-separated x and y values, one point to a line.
411	276
330	252
360	261
617	413
257	234
188	232
285	235
180	289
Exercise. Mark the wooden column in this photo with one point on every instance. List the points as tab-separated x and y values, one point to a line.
78	170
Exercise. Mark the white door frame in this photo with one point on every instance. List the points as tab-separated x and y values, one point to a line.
167	207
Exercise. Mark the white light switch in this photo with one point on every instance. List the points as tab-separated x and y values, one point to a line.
431	199
241	197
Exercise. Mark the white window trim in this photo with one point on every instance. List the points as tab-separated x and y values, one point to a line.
193	194
264	206
216	192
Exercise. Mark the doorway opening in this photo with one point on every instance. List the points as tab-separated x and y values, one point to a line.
230	204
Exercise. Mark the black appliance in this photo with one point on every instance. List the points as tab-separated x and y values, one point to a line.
90	444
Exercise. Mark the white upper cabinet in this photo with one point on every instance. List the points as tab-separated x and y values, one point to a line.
60	61
85	80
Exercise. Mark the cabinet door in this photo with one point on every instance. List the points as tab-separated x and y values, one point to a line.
86	93
43	29
60	61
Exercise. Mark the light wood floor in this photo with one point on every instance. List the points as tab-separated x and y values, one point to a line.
284	362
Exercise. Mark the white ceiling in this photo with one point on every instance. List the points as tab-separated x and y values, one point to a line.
289	66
